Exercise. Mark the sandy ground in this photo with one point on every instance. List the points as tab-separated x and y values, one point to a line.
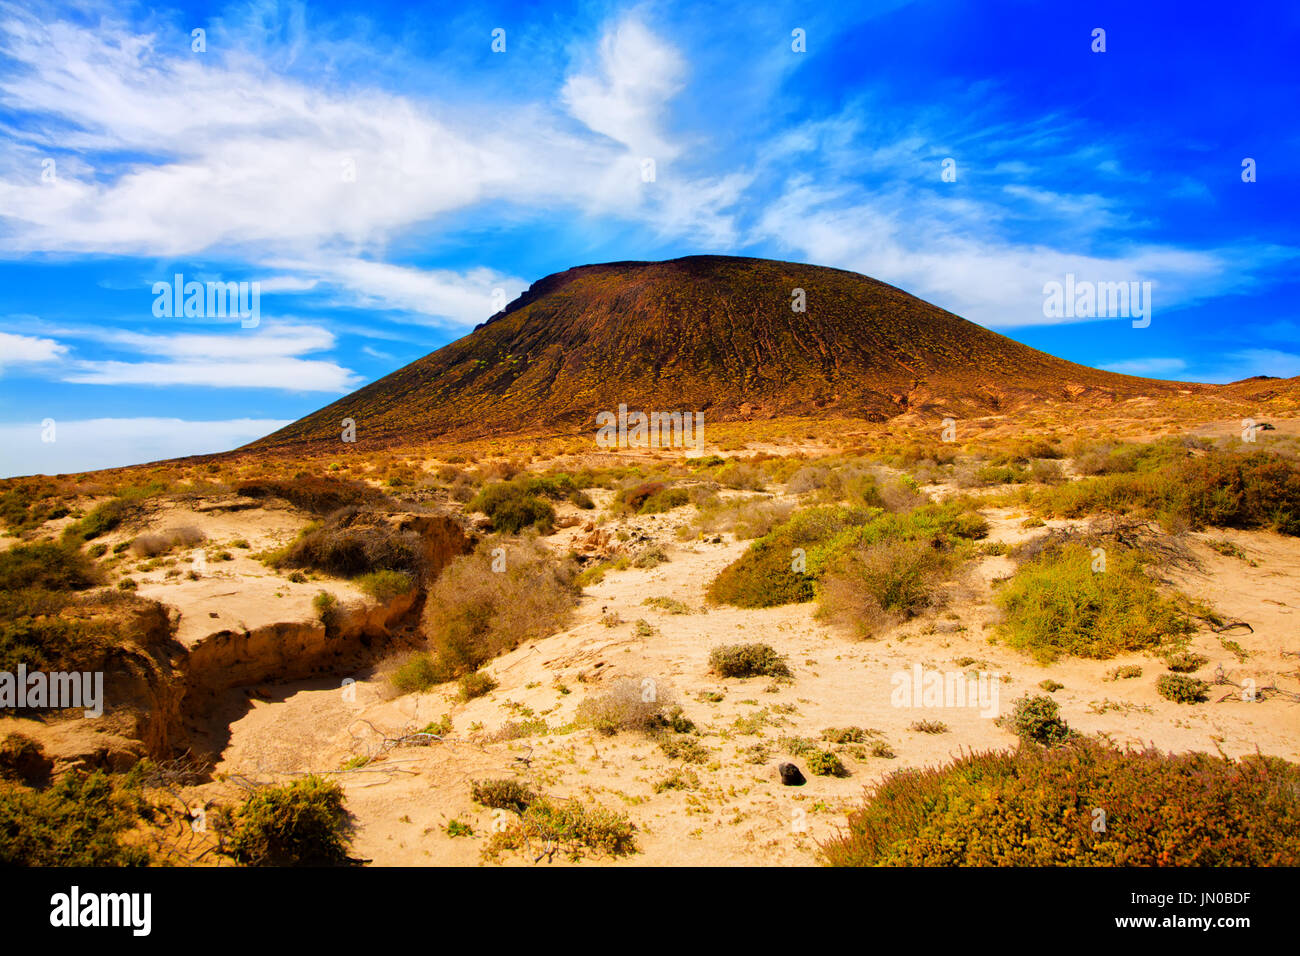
739	813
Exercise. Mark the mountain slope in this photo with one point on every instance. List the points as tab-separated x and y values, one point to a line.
714	334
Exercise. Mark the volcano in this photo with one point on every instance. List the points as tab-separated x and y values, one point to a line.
732	338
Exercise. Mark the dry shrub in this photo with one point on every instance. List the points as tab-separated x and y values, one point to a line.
353	542
320	496
152	544
629	704
473	613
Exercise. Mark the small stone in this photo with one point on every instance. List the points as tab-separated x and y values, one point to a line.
790	775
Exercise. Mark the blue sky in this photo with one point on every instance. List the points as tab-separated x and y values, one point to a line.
386	178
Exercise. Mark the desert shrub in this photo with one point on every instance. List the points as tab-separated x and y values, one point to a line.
684	748
650	557
318	495
772	571
767	575
473	613
1124	672
351	544
1038	719
417	673
152	544
1182	689
823	763
503	794
872	587
1184	662
326	606
101	519
746	517
50	630
747	660
573	828
475	685
929	727
46	566
628	704
383	586
666	604
513	506
1056	604
581	499
845	735
302	823
23	759
1219	489
79	821
1033	807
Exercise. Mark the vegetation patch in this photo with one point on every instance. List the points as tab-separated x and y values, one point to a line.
1182	689
474	613
747	660
1036	807
1057	604
303	823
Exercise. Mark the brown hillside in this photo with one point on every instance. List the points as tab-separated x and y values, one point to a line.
714	334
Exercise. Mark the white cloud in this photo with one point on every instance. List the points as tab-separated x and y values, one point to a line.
89	444
266	357
243	160
450	298
15	349
626	95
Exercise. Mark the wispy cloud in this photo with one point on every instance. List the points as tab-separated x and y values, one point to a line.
269	357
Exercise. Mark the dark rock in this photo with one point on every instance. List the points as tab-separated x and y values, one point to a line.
790	775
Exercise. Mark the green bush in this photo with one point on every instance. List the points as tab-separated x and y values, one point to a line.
1056	604
1218	488
46	566
417	674
512	506
823	763
101	519
303	823
79	821
503	794
767	575
1038	719
1182	689
747	660
1036	807
570	827
383	586
476	685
